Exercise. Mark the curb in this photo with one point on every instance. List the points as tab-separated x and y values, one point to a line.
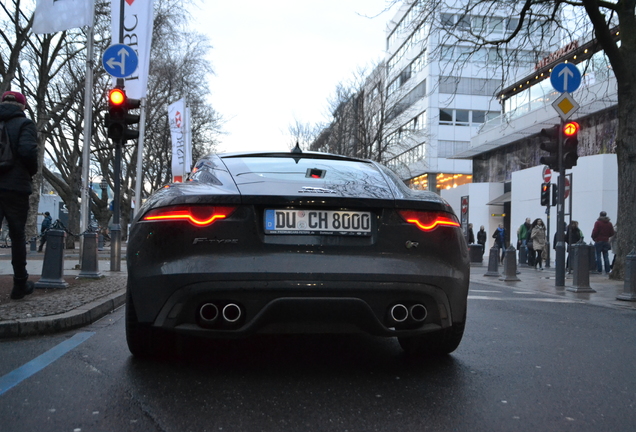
78	317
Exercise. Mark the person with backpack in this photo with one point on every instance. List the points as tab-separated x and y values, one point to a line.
18	164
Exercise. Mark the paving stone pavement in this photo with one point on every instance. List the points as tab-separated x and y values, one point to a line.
62	308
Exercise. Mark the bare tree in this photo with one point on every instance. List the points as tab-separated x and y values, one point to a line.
50	71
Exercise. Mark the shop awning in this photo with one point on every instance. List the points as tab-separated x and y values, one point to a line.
501	200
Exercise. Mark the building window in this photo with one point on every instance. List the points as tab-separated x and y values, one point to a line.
462	117
451	148
459	117
445	116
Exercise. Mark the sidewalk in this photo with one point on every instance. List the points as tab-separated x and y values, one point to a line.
544	281
53	310
87	300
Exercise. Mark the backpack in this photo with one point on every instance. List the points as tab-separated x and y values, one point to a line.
7	158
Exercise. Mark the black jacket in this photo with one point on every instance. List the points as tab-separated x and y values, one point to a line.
23	136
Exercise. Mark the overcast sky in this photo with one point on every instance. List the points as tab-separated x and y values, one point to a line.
279	61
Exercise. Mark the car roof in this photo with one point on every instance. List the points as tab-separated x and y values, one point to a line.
291	154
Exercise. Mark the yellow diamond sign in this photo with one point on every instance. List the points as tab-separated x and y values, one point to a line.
565	105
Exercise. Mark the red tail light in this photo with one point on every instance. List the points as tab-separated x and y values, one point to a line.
429	220
196	215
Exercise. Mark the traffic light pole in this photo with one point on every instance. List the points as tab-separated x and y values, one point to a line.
115	232
559	263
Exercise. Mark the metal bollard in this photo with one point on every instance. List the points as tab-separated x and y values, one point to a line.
580	261
523	255
53	263
493	262
90	263
510	265
629	286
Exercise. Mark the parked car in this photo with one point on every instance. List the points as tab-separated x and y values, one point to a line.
297	242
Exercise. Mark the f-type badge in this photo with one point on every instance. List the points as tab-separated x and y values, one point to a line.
214	241
308	189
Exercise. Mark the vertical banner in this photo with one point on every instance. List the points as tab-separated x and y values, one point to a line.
177	122
188	148
137	25
464	215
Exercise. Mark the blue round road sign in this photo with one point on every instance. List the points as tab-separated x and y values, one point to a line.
565	77
120	60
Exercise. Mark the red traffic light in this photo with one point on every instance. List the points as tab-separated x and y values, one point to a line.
571	128
116	97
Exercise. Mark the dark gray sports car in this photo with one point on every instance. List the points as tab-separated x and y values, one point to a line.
296	242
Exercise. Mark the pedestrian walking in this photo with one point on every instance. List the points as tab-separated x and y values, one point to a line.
470	235
522	234
614	246
15	182
573	236
46	224
538	237
481	239
601	233
500	240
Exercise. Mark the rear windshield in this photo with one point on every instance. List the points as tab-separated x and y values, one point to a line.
281	169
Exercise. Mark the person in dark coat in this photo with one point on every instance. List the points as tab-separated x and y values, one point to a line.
46	224
481	239
603	230
500	240
470	237
15	184
573	235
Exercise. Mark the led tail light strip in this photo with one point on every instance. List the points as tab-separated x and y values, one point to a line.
428	221
196	215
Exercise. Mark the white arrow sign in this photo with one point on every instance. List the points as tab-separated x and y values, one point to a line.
120	60
111	62
568	74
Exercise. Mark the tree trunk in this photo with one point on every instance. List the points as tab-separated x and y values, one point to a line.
626	157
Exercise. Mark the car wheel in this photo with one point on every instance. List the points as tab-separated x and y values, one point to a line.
143	341
435	344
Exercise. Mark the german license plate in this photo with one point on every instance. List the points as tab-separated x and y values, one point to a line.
327	222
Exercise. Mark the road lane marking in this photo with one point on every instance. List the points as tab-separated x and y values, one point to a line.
18	375
545	300
485	291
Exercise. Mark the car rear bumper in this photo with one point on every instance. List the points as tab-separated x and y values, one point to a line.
302	306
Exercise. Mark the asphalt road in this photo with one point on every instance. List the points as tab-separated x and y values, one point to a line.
528	362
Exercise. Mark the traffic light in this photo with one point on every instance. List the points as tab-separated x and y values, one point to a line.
550	143
555	195
545	194
118	118
570	144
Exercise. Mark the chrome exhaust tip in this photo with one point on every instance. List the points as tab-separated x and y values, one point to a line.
399	313
209	312
418	312
232	312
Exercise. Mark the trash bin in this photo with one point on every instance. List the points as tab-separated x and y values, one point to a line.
33	243
475	252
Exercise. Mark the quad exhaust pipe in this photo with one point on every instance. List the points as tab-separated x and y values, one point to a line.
400	313
209	314
232	313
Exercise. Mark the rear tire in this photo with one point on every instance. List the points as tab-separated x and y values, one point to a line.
143	340
436	344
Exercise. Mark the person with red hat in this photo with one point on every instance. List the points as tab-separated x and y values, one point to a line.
15	183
